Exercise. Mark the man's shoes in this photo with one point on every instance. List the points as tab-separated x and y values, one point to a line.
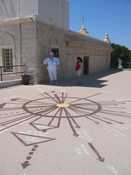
55	82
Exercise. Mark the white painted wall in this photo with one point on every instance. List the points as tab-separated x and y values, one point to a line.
28	7
54	12
17	8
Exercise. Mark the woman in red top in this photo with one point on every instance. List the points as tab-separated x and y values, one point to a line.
78	67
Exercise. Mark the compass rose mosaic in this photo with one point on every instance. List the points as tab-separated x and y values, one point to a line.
50	110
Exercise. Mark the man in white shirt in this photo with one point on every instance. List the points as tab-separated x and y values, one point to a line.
52	66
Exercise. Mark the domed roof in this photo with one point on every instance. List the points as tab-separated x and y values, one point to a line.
107	38
83	30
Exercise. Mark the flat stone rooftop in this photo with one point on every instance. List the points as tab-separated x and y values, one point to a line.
81	128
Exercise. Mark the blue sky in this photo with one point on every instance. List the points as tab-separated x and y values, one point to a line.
101	16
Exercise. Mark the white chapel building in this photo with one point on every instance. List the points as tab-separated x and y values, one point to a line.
29	28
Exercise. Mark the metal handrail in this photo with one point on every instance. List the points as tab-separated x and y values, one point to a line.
10	73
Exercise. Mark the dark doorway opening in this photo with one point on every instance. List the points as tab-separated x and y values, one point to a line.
55	51
86	65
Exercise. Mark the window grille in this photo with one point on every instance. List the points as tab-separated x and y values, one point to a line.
7	58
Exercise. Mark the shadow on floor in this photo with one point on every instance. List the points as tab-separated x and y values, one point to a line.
88	81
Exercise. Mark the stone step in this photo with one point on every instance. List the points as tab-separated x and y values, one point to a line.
9	83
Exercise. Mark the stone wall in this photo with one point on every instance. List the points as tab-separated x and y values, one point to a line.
54	12
48	37
71	45
32	39
21	37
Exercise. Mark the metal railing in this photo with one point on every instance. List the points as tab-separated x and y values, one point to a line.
7	71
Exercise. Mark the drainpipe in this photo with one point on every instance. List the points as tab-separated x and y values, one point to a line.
20	32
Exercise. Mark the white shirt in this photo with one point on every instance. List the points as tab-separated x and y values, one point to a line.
51	63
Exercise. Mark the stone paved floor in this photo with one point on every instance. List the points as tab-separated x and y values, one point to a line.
67	130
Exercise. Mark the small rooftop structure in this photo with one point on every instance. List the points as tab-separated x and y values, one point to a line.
83	30
107	38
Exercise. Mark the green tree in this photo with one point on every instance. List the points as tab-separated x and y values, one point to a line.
121	52
129	63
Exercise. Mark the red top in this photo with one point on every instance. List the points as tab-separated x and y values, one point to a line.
77	66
